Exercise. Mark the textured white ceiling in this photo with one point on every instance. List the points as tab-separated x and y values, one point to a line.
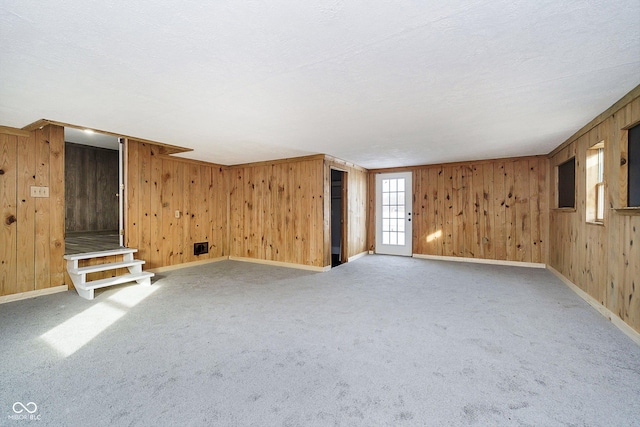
378	83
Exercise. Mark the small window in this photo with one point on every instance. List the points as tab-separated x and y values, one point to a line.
595	183
633	152
566	173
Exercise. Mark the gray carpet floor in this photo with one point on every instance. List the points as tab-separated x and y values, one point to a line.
382	341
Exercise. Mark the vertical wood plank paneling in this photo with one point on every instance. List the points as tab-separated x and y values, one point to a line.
25	227
481	209
510	209
205	223
631	278
488	215
356	191
279	203
458	211
166	195
143	212
440	209
133	200
522	214
43	211
156	210
534	209
476	233
8	230
500	210
600	259
56	208
177	203
449	210
276	211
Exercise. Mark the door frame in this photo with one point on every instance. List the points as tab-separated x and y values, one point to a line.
344	216
121	148
407	248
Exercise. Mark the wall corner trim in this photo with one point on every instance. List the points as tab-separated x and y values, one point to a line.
281	264
613	318
481	261
33	294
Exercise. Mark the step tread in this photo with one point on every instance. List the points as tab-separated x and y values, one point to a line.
105	267
99	254
111	281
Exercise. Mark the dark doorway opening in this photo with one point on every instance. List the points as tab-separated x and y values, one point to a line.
92	164
338	217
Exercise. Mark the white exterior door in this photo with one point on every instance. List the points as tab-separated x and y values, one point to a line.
393	213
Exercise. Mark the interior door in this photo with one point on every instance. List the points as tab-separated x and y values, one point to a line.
393	213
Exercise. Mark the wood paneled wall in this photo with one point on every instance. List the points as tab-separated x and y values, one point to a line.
603	260
276	211
91	186
32	229
491	209
357	198
157	186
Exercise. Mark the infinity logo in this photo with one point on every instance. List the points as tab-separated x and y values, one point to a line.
29	407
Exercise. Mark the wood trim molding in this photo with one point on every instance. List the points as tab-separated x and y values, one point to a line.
187	264
358	256
334	161
633	94
190	161
618	322
627	211
281	264
277	161
481	261
454	164
32	294
164	148
14	131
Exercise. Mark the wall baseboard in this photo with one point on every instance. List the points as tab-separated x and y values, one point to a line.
281	264
613	318
482	261
187	264
33	294
358	256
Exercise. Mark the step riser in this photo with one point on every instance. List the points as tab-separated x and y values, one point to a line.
86	288
134	264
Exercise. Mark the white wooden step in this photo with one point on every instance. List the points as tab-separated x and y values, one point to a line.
100	254
118	280
105	267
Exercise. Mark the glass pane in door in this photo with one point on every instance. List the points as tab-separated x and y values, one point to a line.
393	198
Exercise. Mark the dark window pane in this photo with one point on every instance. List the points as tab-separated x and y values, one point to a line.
567	184
634	167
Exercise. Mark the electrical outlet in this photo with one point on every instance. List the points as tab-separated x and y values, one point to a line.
177	214
39	191
201	248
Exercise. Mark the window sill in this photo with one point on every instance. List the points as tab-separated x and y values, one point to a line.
564	209
628	211
600	223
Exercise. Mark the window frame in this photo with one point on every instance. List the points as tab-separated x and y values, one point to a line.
625	169
595	184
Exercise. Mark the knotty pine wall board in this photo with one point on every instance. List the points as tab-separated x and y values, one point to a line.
32	230
601	259
490	209
276	211
357	186
157	186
